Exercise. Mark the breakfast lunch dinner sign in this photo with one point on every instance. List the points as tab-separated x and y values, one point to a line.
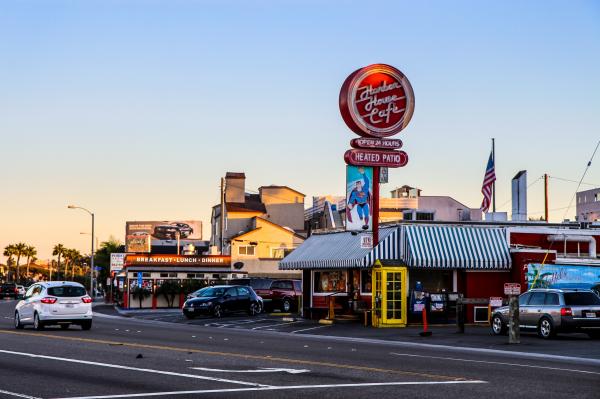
376	102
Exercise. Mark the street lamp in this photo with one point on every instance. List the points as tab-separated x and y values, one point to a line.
92	255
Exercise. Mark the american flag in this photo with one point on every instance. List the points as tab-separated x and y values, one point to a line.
488	182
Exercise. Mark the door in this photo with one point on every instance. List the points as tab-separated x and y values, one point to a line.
534	308
244	298
394	301
26	310
231	302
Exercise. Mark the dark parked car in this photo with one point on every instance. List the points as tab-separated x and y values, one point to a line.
549	311
9	290
276	293
222	299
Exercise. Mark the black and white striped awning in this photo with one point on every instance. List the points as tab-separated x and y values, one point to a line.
341	250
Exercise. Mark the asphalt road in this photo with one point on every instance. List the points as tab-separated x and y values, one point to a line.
133	358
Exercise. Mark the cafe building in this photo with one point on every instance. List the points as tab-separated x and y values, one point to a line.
151	271
441	260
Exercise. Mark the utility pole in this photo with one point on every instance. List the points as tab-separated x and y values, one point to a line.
222	223
546	197
494	183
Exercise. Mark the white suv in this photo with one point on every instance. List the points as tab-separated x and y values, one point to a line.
56	302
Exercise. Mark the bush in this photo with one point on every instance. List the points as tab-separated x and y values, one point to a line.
140	293
169	289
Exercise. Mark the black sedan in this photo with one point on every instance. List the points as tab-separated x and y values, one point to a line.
221	299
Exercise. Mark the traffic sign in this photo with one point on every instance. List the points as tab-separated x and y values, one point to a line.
512	289
365	157
495	301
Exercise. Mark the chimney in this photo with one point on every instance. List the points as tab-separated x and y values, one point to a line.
235	187
519	197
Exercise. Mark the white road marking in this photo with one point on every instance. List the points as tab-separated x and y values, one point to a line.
276	325
260	370
18	395
144	370
278	388
307	329
498	363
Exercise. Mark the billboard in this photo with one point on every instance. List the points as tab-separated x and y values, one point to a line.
116	261
139	234
563	276
359	198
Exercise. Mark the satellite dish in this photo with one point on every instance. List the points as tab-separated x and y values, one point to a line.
238	265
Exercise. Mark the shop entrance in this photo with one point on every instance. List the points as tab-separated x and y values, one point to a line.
389	296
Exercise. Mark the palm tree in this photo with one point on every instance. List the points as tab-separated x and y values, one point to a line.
30	252
59	251
19	251
9	252
75	259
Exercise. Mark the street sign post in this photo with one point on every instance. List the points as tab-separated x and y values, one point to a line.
139	279
513	290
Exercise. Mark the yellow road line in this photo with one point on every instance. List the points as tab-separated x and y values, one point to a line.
236	355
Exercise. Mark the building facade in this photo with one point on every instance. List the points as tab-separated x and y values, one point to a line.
587	205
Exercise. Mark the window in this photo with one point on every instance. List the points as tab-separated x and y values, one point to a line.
581	299
66	291
146	275
169	275
330	281
282	285
551	299
231	291
29	292
243	291
424	216
247	250
365	281
523	299
537	298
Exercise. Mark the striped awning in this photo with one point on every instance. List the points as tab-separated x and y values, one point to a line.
341	250
454	247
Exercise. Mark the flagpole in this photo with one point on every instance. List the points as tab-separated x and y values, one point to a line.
494	184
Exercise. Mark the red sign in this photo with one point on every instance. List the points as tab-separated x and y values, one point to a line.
377	101
512	289
364	157
385	144
177	260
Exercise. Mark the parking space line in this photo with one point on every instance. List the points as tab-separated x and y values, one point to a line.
17	395
277	325
278	388
498	363
307	329
121	367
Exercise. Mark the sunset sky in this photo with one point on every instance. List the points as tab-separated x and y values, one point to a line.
136	109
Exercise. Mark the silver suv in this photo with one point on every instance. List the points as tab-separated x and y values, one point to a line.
549	311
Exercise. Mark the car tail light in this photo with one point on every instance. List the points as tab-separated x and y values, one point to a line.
48	300
566	312
16	290
86	299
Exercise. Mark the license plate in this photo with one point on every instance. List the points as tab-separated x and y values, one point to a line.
69	305
590	314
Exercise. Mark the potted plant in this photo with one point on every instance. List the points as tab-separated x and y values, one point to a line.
140	293
169	289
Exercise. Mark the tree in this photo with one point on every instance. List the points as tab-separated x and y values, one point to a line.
102	256
140	293
9	252
19	251
30	252
169	289
75	260
58	250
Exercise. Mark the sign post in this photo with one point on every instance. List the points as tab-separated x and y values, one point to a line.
513	290
376	102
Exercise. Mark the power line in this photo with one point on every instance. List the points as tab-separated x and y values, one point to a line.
582	177
573	181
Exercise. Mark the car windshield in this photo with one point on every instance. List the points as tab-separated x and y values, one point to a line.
581	298
66	291
211	291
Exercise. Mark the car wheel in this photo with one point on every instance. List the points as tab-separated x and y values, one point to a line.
546	328
86	325
218	311
64	326
18	324
498	326
254	309
286	305
37	323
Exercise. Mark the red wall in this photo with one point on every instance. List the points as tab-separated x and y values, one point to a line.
541	240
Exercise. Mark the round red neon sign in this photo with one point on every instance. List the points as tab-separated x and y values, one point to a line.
377	101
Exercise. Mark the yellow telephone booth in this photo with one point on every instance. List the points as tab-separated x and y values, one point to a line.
390	294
